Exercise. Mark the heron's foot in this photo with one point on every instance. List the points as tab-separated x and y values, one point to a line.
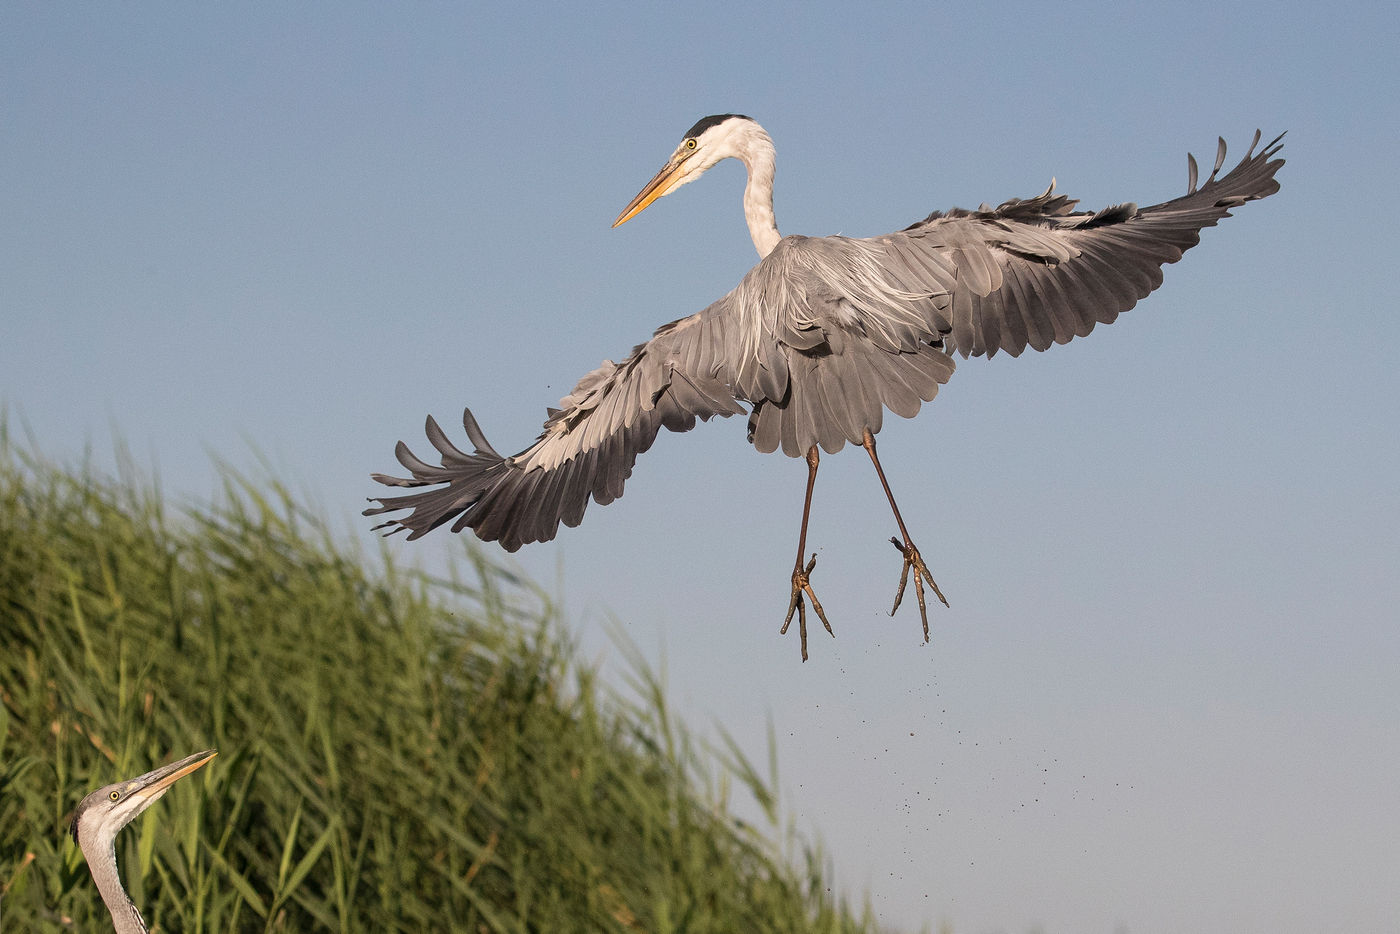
802	584
912	559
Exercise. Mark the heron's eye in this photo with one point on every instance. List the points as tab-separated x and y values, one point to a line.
115	796
690	145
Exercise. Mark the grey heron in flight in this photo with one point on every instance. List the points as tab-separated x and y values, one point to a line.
818	339
106	811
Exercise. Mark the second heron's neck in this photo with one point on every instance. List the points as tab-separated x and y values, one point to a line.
125	916
761	163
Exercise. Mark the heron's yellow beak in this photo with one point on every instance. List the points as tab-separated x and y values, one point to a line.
665	180
170	774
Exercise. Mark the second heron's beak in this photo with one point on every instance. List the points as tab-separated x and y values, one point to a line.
154	784
669	177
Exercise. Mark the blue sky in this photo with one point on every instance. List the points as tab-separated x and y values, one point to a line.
1165	695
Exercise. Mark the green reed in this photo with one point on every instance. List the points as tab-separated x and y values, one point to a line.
396	752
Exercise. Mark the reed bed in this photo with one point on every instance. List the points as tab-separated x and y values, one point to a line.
396	752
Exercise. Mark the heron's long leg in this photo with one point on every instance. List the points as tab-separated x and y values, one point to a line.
800	576
912	558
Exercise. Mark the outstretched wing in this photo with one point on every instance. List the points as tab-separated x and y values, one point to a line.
1034	272
587	448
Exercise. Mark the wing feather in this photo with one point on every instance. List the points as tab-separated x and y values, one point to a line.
587	448
1033	272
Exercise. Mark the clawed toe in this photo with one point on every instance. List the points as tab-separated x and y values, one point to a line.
802	584
912	559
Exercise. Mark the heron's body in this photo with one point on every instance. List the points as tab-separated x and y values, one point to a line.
102	814
821	336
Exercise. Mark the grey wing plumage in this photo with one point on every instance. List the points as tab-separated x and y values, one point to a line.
587	448
830	344
1034	272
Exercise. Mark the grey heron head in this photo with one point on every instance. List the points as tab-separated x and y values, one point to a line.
107	810
721	136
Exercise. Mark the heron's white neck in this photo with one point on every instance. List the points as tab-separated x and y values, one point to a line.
760	159
126	918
